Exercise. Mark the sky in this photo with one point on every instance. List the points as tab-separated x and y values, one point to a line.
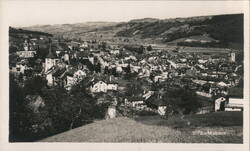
28	13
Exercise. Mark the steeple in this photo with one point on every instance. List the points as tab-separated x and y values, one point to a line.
50	55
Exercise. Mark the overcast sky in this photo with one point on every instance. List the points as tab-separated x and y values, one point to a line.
27	13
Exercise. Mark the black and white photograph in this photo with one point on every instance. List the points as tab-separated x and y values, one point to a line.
127	72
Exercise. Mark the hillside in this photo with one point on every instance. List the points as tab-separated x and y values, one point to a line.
224	29
90	30
18	36
15	31
221	127
218	31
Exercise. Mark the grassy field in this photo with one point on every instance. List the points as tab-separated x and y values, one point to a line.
221	127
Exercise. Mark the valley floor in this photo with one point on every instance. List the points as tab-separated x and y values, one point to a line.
220	127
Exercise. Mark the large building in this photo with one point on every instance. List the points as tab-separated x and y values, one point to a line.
50	60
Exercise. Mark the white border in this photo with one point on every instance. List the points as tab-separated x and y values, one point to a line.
5	145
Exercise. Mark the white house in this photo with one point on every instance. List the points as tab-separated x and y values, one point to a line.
202	61
103	87
112	87
99	87
70	82
137	104
222	84
49	77
26	54
234	104
117	51
162	110
20	68
79	74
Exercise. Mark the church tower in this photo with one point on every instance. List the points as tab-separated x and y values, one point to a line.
50	60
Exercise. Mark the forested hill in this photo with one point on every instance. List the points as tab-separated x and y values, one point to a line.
216	31
225	28
13	31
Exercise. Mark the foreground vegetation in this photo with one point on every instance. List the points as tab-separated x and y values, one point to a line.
56	111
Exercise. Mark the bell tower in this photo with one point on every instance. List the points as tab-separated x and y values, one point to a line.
50	60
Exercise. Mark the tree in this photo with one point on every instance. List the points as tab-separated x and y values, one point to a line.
149	48
133	90
41	53
16	96
13	59
12	49
34	85
141	49
181	101
103	45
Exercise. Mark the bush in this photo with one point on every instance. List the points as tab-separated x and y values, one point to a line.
181	101
146	113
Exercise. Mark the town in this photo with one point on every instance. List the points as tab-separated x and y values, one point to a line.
129	80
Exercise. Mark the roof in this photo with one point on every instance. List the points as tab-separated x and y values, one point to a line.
153	100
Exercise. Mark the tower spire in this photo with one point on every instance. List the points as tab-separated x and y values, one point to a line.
50	55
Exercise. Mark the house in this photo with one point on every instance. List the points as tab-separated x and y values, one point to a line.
79	75
138	104
99	87
222	84
183	60
135	68
112	87
162	109
19	68
229	104
235	100
191	72
83	46
202	61
70	81
115	52
102	86
26	54
49	75
69	76
172	64
153	101
234	104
